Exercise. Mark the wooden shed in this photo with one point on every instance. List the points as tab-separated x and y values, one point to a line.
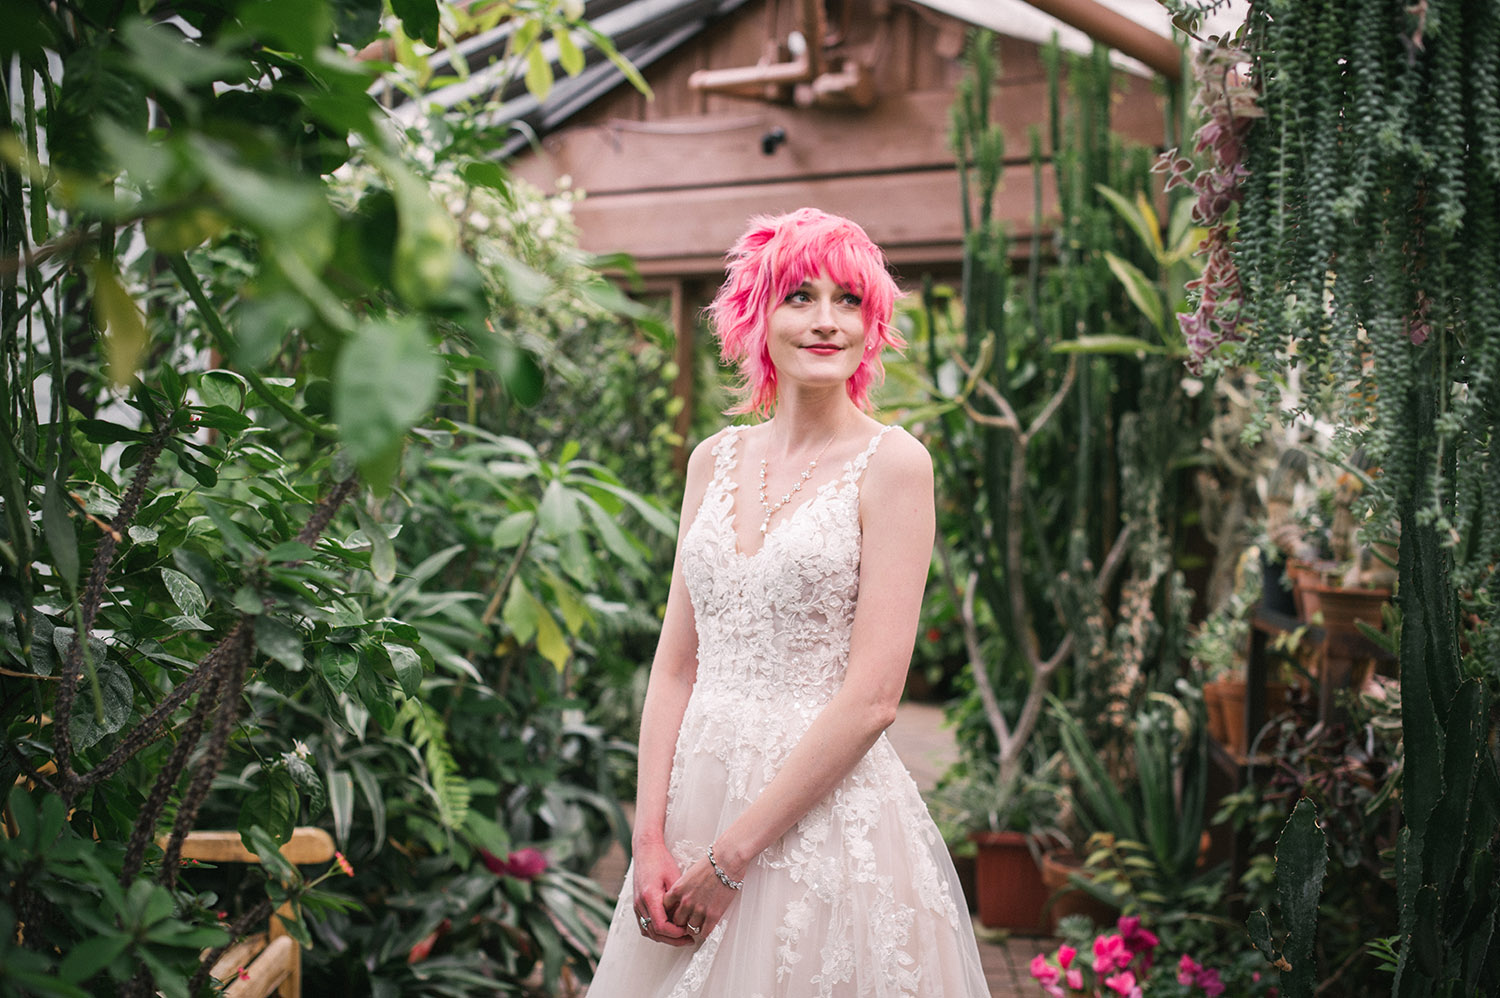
769	105
749	117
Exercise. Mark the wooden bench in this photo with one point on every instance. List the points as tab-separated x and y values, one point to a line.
272	960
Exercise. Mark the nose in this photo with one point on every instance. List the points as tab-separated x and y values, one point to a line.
823	314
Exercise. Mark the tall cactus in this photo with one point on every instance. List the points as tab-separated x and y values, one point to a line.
1301	861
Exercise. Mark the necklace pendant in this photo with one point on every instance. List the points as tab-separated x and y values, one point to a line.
763	525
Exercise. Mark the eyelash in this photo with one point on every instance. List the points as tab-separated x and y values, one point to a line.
848	297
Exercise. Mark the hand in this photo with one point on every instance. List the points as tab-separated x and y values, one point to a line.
655	872
699	899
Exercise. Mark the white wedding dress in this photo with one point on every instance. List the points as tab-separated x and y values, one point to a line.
859	898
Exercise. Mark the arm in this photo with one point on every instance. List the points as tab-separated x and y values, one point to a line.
897	520
673	671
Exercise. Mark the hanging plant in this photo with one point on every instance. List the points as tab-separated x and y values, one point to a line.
1367	251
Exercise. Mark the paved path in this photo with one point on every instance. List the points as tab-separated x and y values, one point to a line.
927	749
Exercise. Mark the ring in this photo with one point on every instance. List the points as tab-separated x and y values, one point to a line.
694	929
645	921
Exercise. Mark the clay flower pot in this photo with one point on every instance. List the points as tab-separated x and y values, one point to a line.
1011	894
1066	898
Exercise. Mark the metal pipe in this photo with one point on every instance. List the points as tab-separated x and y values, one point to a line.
1118	32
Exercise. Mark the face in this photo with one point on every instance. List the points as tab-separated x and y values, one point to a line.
816	335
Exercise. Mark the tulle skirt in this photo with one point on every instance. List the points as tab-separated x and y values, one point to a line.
858	900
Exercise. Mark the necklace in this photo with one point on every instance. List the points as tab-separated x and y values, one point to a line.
770	510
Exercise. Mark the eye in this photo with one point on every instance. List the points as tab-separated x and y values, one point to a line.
851	299
799	295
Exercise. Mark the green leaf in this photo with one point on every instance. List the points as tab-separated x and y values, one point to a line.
184	592
602	43
550	640
1109	343
294	25
557	513
1143	294
483	173
386	379
512	529
280	641
57	527
264	840
520	612
90	956
339	665
124	325
538	73
419	19
382	551
172	64
95	716
569	55
305	778
341	803
519	372
407	665
1148	231
102	432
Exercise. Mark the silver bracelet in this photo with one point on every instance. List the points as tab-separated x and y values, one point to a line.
733	885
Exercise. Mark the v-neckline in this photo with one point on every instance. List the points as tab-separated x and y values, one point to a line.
731	487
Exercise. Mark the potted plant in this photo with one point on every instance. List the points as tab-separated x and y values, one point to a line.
1009	827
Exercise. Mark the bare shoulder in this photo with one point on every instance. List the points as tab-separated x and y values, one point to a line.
899	463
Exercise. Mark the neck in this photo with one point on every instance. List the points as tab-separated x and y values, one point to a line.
806	421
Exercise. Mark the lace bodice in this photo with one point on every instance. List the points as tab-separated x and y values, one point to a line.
775	625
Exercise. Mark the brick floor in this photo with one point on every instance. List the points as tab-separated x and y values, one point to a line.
927	749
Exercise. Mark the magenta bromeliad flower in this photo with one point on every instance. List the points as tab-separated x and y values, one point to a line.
523	864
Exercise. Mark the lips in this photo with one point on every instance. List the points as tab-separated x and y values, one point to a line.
823	349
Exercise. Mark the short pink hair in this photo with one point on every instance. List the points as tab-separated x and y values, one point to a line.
774	256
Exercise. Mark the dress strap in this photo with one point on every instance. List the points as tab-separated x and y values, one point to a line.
856	466
725	454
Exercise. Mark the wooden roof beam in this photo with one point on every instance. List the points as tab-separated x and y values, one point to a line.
1118	32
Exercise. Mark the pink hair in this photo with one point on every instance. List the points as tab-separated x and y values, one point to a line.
774	256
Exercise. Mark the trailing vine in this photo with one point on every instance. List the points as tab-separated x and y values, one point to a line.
1368	246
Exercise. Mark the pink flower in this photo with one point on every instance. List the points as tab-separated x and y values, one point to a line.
344	864
1075	978
1046	975
1110	954
1187	970
523	864
1065	955
1208	980
1137	939
1123	984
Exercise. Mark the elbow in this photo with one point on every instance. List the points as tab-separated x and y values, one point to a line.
879	715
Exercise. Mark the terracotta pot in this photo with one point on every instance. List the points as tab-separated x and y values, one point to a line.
1067	899
1307	580
1213	702
1343	607
1008	883
1232	692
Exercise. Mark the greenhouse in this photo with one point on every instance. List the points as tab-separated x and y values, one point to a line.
750	498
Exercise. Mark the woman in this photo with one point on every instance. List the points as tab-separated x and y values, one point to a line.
781	849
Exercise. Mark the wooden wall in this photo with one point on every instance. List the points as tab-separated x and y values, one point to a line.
671	181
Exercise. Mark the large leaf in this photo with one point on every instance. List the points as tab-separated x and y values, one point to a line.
124	325
385	380
419	19
295	25
1143	294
